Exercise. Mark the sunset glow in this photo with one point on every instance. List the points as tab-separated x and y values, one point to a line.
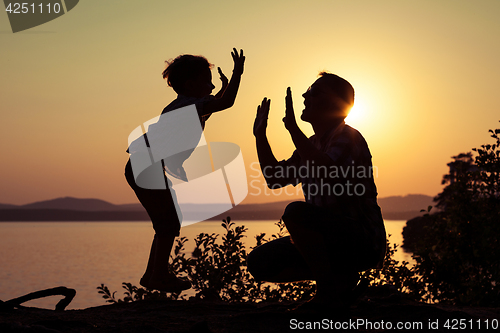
72	89
357	113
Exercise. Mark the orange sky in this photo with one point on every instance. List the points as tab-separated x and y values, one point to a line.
71	90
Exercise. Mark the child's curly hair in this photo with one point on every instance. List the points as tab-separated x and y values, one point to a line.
183	68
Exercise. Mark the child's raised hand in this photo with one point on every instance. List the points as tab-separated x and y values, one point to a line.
239	61
223	78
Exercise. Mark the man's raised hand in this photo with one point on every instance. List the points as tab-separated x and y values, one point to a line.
289	119
260	124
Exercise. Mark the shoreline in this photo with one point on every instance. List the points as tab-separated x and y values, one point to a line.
379	305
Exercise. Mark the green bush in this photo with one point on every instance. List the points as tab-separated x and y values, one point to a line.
218	271
399	275
458	257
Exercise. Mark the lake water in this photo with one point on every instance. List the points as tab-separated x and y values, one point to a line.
82	255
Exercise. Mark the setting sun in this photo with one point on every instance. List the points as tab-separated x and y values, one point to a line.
357	113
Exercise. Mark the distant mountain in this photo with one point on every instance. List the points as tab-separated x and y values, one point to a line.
76	209
410	202
7	206
70	203
54	215
404	207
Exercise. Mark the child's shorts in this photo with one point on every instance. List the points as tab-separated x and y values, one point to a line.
159	205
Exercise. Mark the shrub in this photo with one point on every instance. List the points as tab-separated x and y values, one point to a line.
401	276
458	257
218	271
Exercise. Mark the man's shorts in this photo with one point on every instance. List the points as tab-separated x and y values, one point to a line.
348	243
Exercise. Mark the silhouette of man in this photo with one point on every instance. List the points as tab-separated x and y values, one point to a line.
338	231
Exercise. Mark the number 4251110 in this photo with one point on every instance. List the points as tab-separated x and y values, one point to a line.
25	8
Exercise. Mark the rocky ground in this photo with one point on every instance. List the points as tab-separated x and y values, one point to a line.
378	311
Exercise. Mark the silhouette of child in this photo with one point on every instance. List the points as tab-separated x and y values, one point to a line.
191	78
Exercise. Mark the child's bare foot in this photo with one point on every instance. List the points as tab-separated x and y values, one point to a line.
169	284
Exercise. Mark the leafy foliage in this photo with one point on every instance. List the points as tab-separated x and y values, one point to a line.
399	275
133	293
217	271
458	259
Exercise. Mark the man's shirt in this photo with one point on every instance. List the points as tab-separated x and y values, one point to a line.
346	185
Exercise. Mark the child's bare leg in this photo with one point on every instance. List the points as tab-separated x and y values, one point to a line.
163	248
149	269
161	279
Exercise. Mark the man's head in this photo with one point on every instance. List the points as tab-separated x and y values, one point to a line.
189	75
329	98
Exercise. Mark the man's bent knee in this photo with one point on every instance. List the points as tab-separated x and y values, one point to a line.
294	211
